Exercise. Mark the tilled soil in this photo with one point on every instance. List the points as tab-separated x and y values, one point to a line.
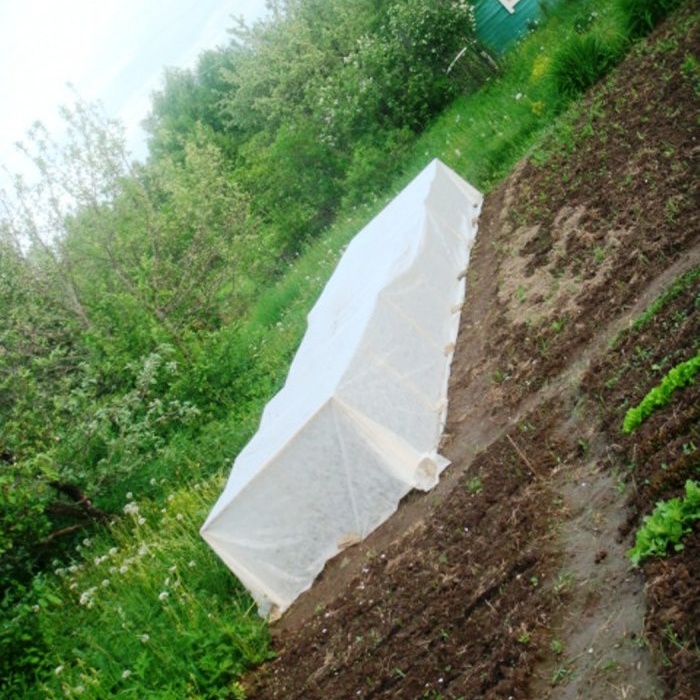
510	579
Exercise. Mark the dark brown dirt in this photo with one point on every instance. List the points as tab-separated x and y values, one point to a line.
509	580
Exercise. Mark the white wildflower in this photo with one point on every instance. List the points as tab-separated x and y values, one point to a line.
163	595
131	508
126	673
58	670
86	597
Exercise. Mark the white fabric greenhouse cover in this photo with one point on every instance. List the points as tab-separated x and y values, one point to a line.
357	423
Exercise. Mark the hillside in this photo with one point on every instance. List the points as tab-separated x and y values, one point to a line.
510	579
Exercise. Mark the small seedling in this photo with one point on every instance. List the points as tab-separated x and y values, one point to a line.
475	485
564	581
558	325
524	638
560	674
557	646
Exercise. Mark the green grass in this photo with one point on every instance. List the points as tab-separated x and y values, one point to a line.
143	610
641	16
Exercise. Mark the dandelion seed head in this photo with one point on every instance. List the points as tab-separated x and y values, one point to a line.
131	508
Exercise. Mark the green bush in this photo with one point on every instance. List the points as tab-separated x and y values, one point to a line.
583	61
679	376
640	16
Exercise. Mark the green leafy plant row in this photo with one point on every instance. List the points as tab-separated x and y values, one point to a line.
676	289
667	525
679	376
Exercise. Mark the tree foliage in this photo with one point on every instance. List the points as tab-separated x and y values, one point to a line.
109	275
303	95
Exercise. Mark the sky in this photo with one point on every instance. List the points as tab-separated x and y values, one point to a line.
113	51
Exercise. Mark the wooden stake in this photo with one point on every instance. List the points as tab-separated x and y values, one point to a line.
522	456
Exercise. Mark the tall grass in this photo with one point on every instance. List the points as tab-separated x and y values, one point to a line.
144	610
641	16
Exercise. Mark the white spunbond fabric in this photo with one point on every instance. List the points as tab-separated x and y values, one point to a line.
359	419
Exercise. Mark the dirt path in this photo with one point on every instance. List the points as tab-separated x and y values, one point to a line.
509	580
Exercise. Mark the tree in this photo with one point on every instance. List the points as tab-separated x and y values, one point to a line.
110	274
